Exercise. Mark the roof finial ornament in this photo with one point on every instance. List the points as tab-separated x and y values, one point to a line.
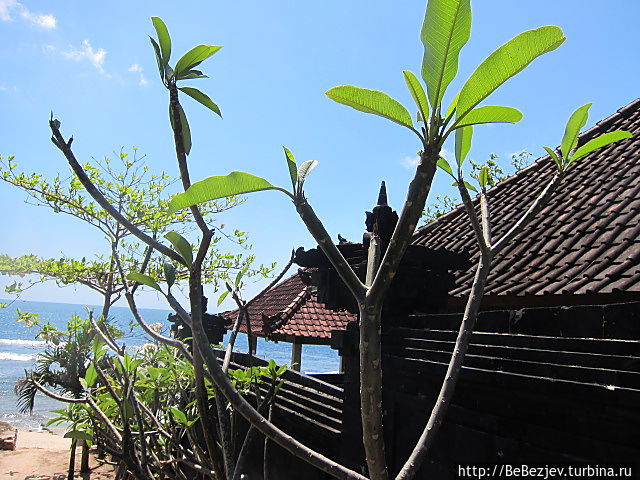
382	196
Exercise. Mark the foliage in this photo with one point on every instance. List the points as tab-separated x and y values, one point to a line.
445	31
142	197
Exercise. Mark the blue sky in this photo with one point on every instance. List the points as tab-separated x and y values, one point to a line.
92	65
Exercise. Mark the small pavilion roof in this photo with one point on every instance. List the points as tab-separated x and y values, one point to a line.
290	311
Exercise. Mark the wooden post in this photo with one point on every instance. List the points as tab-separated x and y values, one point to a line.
296	355
84	461
253	345
72	460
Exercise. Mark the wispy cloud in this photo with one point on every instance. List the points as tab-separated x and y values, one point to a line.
84	53
410	162
9	8
142	80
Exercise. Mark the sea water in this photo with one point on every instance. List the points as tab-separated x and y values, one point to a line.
19	350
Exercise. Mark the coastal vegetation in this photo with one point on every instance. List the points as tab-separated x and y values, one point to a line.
168	410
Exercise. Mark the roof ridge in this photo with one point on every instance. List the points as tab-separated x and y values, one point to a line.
633	105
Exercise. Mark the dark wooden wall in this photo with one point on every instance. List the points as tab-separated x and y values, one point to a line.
538	385
306	408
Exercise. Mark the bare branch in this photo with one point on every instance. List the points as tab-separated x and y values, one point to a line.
473	217
317	230
65	148
537	205
447	389
409	217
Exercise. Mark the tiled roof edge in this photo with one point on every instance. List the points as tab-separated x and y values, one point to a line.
601	125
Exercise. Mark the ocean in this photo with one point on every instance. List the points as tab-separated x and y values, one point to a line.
19	349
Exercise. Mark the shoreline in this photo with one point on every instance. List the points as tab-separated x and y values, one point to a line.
45	455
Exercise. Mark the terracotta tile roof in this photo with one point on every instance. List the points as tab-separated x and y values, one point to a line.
585	241
290	309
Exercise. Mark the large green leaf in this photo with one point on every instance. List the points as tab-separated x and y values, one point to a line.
505	62
191	74
599	142
186	131
212	188
163	38
483	177
463	143
444	165
293	168
490	114
305	170
417	92
446	29
91	375
371	101
195	57
204	99
555	157
169	274
182	246
577	120
161	64
144	280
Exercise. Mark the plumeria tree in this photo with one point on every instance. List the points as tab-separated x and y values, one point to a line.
446	29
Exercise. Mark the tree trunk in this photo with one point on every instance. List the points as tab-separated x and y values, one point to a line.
72	460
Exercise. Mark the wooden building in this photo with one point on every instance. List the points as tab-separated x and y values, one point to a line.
553	371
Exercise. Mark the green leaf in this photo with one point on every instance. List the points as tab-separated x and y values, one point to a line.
444	165
190	74
144	280
91	375
186	131
305	170
452	106
483	177
293	169
78	435
598	142
215	187
417	92
83	383
182	246
555	157
194	57
490	114
466	184
169	273
204	99
463	143
222	297
508	60
179	415
161	64
371	101
238	278
445	30
163	38
577	120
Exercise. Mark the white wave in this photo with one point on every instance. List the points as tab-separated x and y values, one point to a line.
17	357
23	343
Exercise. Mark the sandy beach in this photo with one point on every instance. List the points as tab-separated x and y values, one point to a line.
45	456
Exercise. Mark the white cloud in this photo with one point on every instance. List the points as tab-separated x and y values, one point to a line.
142	80
411	162
5	7
9	7
85	53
